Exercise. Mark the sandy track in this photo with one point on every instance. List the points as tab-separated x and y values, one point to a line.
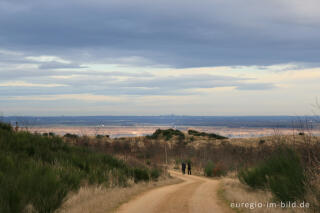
194	195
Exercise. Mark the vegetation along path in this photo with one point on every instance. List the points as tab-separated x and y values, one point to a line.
195	194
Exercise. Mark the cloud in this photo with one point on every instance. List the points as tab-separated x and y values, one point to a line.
26	84
57	65
256	86
164	54
47	58
79	97
182	82
174	34
178	85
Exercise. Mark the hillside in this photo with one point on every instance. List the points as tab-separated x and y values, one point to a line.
37	172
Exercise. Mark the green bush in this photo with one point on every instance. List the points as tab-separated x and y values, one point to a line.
214	170
39	171
208	169
155	174
72	136
28	182
282	173
102	136
210	135
167	134
5	126
140	175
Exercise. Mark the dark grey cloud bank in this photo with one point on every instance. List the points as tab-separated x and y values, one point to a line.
172	33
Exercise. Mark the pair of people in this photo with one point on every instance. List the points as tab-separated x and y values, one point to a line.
183	166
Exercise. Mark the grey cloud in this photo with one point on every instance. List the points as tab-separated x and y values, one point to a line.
57	65
14	74
25	74
11	69
183	82
179	33
256	86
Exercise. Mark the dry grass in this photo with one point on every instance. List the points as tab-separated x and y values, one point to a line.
96	199
313	192
233	191
275	139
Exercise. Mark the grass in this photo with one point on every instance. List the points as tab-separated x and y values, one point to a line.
221	195
233	191
38	171
100	199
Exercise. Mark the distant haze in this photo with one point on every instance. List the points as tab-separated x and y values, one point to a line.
170	121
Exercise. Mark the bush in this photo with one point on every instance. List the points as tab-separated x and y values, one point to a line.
155	174
102	136
52	134
208	169
140	175
167	134
72	136
218	170
27	182
39	171
210	135
262	141
282	173
5	126
212	170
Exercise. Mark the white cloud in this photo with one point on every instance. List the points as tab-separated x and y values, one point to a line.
47	58
79	97
27	84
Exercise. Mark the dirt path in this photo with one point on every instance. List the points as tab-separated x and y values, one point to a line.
194	195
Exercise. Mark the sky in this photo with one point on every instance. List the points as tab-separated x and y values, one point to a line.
142	57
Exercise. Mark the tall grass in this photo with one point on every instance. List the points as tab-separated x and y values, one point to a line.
39	171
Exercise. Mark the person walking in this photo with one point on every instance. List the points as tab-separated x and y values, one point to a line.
189	168
183	167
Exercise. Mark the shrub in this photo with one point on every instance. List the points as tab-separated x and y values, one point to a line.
262	141
72	136
218	170
167	134
208	169
5	126
282	173
38	171
52	134
214	170
27	182
140	175
102	136
155	174
210	135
